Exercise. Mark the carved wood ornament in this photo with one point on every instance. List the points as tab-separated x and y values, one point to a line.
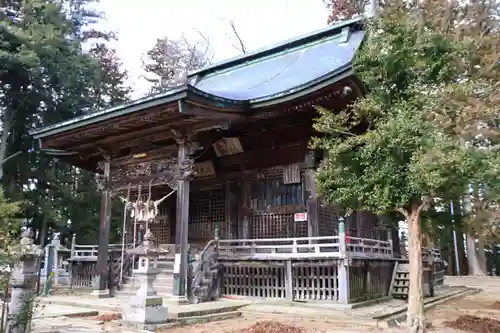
169	170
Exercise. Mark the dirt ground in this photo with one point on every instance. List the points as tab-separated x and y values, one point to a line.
481	305
243	324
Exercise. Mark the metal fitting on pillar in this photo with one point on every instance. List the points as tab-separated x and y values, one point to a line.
341	224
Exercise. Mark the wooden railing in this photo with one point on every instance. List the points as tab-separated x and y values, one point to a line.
305	247
89	252
368	248
83	262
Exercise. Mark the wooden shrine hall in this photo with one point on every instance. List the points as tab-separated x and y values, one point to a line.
232	145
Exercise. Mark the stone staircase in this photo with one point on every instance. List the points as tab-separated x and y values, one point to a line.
205	275
164	281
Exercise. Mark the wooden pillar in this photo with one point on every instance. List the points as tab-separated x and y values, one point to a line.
244	216
311	196
181	228
101	277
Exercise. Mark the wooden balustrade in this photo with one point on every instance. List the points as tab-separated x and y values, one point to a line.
305	247
89	252
369	248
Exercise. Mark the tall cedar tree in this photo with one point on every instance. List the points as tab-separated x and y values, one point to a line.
412	152
47	77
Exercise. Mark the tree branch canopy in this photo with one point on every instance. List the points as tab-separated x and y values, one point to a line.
409	149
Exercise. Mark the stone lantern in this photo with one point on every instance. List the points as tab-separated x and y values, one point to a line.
23	283
145	310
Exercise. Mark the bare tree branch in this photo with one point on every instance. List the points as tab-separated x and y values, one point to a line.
241	47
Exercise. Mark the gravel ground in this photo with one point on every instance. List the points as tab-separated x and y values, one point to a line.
482	304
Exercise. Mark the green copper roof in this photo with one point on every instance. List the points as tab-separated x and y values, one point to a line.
271	75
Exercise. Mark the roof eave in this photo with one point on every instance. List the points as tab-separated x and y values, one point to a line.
306	89
117	111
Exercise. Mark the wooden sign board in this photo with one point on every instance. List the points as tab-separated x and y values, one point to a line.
291	174
204	169
227	147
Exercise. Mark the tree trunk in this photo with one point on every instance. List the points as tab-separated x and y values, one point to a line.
481	255
4	138
475	268
415	314
4	142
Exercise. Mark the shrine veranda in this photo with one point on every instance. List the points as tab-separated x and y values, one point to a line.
233	145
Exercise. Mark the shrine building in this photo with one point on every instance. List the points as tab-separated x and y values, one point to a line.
220	170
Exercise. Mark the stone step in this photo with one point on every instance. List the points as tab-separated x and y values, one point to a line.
158	283
127	292
161	276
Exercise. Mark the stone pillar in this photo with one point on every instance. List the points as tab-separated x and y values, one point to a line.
343	268
181	230
23	283
145	310
48	268
101	277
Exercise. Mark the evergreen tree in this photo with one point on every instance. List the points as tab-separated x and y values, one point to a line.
413	141
47	77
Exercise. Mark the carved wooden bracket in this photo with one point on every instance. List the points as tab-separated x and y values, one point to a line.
101	178
166	171
169	170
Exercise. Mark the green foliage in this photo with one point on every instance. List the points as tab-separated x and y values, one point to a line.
55	65
9	232
389	150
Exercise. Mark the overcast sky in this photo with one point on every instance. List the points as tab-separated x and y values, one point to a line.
259	23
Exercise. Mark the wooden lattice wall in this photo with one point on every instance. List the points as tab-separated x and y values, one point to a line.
328	220
369	279
358	224
273	205
365	225
207	209
313	280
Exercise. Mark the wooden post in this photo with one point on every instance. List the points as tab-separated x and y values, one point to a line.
288	281
244	217
101	277
389	238
311	197
181	230
343	266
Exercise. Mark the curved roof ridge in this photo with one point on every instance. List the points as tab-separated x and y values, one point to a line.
278	47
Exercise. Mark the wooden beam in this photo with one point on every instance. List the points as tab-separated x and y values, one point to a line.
276	137
118	124
267	156
110	138
194	110
149	156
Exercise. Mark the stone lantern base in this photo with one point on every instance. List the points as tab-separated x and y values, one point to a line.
145	313
145	310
